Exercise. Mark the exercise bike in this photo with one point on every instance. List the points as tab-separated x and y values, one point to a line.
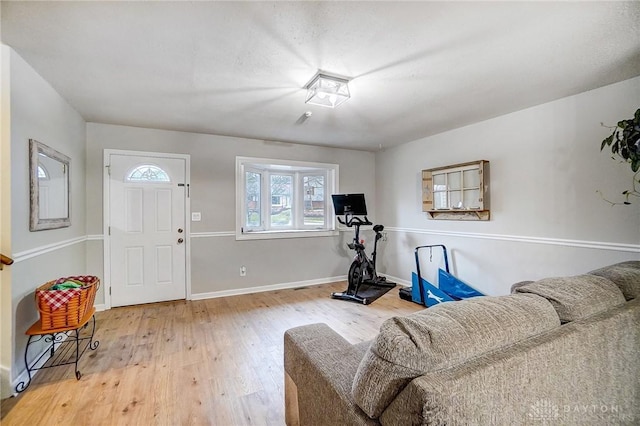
362	269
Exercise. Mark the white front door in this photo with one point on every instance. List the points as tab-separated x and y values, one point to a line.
147	235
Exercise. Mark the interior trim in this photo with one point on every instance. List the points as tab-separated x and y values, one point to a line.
598	245
42	358
37	251
270	287
106	223
100	237
213	234
233	234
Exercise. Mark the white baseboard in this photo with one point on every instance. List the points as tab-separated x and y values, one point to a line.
397	280
260	289
5	382
296	284
272	287
43	357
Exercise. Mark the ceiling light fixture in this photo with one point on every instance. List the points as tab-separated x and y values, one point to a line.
327	91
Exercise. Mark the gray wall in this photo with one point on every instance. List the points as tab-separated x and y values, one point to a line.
38	112
546	216
216	258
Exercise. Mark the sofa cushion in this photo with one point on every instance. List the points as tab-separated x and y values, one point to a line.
441	337
589	363
626	275
576	297
518	285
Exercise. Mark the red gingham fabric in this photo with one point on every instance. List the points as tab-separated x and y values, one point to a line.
58	298
82	278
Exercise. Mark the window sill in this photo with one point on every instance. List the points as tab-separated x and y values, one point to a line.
272	235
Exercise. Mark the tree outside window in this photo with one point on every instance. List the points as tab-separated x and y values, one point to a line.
284	199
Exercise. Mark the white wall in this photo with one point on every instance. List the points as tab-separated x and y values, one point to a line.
546	217
38	112
215	254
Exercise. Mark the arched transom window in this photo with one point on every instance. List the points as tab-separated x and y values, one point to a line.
42	172
148	173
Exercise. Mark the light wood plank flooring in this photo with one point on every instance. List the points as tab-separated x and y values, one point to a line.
208	362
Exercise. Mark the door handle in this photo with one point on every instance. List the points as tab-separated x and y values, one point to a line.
180	240
4	260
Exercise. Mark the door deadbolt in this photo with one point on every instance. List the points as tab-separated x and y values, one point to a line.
180	240
179	230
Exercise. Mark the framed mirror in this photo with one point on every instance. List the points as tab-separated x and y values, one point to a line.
49	187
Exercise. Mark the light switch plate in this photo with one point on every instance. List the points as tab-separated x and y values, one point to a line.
196	216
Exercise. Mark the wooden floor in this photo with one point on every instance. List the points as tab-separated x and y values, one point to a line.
207	362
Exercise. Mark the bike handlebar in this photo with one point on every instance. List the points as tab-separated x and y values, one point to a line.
354	220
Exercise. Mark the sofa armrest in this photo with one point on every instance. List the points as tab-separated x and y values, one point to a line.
319	369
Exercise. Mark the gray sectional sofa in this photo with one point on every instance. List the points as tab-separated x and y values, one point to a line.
555	351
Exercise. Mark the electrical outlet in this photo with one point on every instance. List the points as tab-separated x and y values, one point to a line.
384	236
196	216
243	271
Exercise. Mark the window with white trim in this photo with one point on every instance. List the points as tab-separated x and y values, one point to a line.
283	199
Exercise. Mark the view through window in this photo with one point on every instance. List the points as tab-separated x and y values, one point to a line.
280	196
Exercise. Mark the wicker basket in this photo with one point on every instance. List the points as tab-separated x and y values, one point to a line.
71	313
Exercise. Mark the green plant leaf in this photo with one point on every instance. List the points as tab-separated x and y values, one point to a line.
634	141
624	152
606	141
624	142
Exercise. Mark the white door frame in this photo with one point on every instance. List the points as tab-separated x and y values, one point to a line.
106	221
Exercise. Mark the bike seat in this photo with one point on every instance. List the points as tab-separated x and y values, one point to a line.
378	228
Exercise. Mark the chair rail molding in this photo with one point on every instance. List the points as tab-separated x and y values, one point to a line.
597	245
37	251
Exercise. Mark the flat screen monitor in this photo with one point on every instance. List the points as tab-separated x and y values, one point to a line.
352	204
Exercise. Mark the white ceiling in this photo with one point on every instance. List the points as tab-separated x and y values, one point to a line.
239	68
